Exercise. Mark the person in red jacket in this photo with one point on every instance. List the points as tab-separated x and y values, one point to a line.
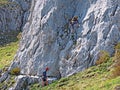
44	77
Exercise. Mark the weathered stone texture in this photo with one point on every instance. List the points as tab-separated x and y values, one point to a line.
48	39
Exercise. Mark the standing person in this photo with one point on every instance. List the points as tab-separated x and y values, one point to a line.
44	77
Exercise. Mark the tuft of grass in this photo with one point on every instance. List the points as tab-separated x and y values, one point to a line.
116	70
116	65
103	57
15	71
4	2
117	46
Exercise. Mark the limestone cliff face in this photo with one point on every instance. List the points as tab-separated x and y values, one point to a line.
10	17
48	39
13	16
25	8
10	22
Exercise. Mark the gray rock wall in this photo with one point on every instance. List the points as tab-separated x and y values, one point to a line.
48	39
25	8
13	16
10	17
10	22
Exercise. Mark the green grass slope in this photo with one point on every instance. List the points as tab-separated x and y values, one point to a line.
95	78
7	52
4	1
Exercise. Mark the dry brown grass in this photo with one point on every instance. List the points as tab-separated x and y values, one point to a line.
4	2
103	57
116	65
15	71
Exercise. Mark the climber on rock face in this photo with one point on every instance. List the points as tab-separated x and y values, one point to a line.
74	25
74	21
44	77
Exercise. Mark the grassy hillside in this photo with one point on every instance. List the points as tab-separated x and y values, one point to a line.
7	52
3	1
95	78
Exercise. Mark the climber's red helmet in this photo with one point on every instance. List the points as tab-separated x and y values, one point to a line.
47	68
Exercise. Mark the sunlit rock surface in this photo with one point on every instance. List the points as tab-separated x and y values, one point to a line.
48	38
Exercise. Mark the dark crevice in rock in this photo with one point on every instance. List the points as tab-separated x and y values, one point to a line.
22	22
110	26
114	11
